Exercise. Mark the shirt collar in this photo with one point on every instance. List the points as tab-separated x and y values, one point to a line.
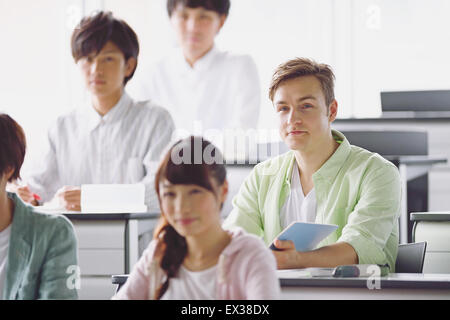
329	170
116	113
201	64
333	165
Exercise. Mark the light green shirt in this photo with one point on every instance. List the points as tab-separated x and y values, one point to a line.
355	189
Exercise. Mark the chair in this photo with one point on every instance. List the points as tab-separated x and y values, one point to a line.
119	280
410	257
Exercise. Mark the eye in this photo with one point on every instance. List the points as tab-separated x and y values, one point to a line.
307	106
168	194
282	108
195	191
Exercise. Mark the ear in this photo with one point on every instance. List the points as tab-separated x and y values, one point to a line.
332	111
222	20
224	192
7	174
130	66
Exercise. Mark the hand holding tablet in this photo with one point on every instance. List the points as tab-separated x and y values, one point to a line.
306	236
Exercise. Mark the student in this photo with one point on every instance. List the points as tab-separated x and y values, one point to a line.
202	86
191	256
37	250
322	179
112	140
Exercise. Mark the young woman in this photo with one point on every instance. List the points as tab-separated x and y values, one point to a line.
191	256
37	251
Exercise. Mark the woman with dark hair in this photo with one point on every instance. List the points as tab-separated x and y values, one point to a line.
191	256
38	252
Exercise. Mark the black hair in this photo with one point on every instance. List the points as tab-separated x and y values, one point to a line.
93	32
222	7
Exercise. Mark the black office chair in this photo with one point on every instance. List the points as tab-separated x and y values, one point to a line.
410	257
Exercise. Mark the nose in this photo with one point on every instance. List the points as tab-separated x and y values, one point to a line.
95	66
294	117
192	24
182	204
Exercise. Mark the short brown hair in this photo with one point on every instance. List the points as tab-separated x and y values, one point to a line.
93	32
12	146
301	67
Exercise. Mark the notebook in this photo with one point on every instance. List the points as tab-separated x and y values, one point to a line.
306	236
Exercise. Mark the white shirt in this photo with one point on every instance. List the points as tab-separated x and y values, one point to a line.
221	91
4	246
123	146
192	285
298	207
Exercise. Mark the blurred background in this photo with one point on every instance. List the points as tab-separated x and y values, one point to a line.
372	45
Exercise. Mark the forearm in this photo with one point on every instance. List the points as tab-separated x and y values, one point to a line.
328	256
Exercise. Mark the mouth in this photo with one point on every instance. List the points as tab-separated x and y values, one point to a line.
97	82
296	133
185	221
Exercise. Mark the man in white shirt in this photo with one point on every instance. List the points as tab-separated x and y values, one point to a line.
203	87
114	139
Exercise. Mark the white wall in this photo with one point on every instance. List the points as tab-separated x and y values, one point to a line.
372	45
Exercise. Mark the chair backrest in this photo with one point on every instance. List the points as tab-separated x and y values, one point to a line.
410	257
119	280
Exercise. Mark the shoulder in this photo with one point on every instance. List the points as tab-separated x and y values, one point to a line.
246	245
49	226
274	166
147	109
371	160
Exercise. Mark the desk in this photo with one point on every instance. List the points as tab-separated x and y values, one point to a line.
434	228
107	244
406	286
395	286
411	167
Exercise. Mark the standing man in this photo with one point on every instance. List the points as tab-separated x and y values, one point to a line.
114	139
322	179
202	86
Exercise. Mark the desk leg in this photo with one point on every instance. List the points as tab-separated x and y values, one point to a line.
403	219
132	244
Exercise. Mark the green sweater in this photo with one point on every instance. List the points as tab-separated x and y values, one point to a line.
41	249
355	189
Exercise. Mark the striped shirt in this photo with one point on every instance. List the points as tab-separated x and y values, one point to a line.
123	146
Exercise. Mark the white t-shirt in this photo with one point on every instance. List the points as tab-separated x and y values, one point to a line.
4	246
298	207
192	285
221	91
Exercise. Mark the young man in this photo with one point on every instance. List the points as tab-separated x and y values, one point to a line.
203	87
323	179
112	140
37	251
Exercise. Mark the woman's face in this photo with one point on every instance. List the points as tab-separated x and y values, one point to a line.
191	209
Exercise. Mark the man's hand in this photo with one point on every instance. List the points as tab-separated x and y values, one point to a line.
287	257
69	198
26	195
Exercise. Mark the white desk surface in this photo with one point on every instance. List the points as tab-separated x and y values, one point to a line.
295	285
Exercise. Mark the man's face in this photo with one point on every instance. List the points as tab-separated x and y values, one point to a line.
104	73
304	116
196	28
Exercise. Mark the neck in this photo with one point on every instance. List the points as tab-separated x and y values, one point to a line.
6	210
312	160
192	58
104	103
204	250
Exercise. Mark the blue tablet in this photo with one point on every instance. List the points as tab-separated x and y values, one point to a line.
306	236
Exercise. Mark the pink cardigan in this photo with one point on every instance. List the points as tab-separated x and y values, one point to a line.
246	270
